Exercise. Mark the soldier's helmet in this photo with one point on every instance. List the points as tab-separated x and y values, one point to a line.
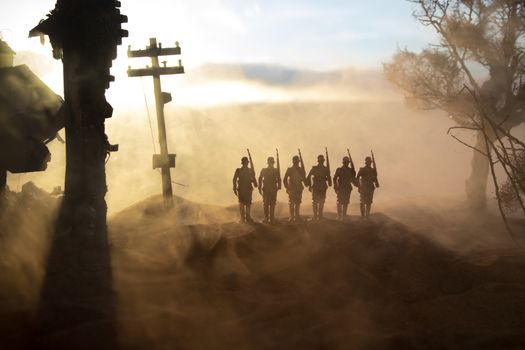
271	160
320	157
244	160
346	160
368	160
295	159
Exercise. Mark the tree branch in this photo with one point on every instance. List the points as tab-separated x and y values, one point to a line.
466	144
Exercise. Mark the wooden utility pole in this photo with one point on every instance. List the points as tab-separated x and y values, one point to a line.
164	160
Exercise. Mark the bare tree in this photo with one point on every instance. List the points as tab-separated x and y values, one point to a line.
475	73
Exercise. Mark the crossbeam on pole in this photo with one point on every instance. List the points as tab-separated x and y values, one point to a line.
154	51
165	161
151	72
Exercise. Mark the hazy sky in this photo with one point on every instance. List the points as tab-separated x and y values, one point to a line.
271	51
317	34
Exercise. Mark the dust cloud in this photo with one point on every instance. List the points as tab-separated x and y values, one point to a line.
26	224
415	156
191	278
358	284
423	272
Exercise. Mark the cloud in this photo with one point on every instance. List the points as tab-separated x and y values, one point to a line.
252	10
313	12
227	19
290	77
217	84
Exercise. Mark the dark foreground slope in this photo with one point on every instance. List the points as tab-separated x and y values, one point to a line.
178	285
330	285
26	225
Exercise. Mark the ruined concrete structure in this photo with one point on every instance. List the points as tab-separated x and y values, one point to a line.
6	55
29	117
85	35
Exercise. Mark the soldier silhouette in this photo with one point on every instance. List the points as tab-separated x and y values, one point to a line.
343	179
294	178
321	181
269	184
367	178
243	183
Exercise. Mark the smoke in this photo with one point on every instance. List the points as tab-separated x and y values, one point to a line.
180	283
335	285
415	156
26	224
209	144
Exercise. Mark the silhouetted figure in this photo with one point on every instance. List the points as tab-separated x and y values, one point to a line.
243	183
269	184
319	185
367	178
294	178
343	179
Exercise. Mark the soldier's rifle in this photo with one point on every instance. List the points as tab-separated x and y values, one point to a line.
279	181
303	168
252	166
328	166
375	166
350	157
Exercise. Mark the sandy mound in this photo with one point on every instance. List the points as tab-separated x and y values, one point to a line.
149	214
193	279
331	285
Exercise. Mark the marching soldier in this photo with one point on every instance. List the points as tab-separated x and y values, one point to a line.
321	181
343	179
367	178
294	178
243	183
270	183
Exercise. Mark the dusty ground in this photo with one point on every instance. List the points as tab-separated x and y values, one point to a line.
180	282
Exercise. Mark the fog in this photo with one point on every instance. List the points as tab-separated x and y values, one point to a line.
415	156
193	278
423	272
289	108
